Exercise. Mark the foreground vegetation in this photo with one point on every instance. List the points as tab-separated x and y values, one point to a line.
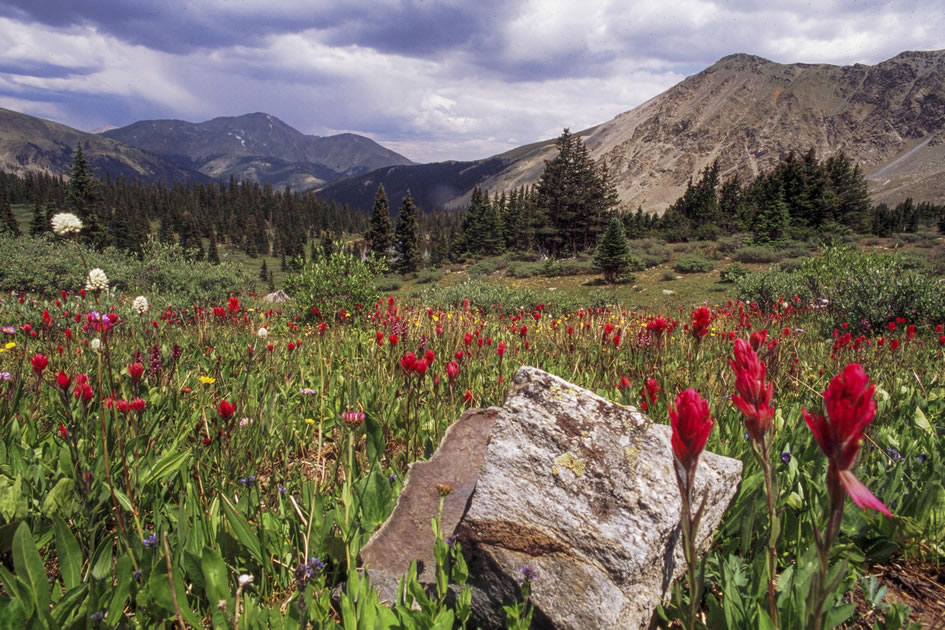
223	465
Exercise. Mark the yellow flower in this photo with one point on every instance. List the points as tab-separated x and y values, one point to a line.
10	345
207	380
310	421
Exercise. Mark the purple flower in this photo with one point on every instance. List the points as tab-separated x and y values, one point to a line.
529	573
4	376
8	330
149	541
96	617
248	481
785	456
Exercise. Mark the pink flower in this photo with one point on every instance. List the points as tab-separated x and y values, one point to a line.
850	407
452	370
39	363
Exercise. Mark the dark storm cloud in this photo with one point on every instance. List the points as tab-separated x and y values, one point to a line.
43	70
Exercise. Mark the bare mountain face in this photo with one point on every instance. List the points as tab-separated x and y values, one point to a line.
258	147
33	145
749	113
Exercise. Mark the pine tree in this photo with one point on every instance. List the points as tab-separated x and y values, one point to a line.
772	219
39	225
213	257
407	235
380	236
82	197
613	253
263	272
8	223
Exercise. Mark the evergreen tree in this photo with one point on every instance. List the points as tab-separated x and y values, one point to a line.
8	223
213	257
380	236
407	236
328	244
613	253
263	271
82	198
772	219
39	225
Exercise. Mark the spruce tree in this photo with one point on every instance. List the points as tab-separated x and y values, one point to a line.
407	235
82	197
39	225
613	253
263	272
8	222
379	236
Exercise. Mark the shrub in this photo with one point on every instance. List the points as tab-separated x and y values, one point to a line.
693	263
733	272
728	244
342	280
166	273
488	266
520	269
504	299
650	252
427	276
757	254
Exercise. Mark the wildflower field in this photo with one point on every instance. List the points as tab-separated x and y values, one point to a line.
222	466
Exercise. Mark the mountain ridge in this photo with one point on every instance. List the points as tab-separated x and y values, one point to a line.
222	147
749	113
29	144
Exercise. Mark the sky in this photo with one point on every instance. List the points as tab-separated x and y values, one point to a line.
432	79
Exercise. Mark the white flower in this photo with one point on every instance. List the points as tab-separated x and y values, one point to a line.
66	223
245	579
97	281
96	344
262	333
140	305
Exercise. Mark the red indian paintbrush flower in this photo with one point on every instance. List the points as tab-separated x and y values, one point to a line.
754	395
452	369
63	381
692	423
226	410
135	370
39	363
701	318
850	408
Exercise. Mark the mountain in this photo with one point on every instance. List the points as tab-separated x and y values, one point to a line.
258	147
749	113
29	144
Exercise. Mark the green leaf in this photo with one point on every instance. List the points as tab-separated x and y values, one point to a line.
13	614
19	589
123	499
122	588
29	566
61	499
241	530
160	589
838	615
166	466
13	504
214	575
922	422
68	554
101	563
70	602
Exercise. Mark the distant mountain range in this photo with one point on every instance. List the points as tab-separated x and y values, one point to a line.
746	112
257	147
253	147
29	144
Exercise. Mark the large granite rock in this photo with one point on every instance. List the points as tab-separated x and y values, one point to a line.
563	480
582	489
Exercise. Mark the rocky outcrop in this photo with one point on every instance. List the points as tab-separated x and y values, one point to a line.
578	487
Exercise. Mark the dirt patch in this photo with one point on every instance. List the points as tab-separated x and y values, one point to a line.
921	587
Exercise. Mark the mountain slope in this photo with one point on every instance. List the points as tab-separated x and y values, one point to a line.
258	147
29	144
749	113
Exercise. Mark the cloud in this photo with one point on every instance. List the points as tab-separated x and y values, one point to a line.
435	80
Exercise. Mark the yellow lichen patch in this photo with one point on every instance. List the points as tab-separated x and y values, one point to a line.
569	461
557	391
632	455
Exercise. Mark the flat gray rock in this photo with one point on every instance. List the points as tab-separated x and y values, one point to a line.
583	489
407	535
